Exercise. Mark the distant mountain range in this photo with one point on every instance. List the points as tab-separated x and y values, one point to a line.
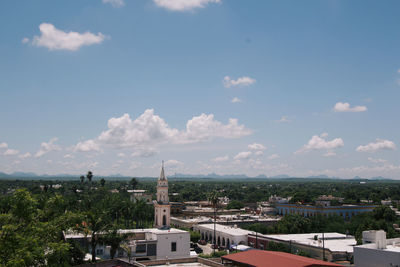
31	175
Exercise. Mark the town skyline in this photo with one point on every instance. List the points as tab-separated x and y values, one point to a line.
210	86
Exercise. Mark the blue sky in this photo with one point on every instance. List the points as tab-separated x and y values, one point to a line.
116	86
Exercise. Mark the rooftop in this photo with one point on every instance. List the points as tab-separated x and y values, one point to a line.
333	241
264	258
233	231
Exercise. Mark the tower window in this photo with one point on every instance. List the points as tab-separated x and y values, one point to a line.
173	246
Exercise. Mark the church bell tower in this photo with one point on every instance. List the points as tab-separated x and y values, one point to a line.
162	208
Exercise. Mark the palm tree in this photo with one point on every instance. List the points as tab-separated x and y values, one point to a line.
213	199
82	179
89	176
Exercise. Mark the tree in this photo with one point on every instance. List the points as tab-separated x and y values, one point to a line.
113	239
133	183
89	176
102	182
82	179
213	199
235	204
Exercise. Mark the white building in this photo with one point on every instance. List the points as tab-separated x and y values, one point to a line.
377	251
139	194
145	244
225	235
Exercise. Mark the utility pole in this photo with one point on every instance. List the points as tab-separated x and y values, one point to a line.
323	246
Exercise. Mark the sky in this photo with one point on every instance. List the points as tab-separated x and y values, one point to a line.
301	88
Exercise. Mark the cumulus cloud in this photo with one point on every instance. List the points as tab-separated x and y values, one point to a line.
25	156
3	145
68	156
319	143
242	81
115	3
121	155
256	146
330	154
87	146
183	5
259	153
345	107
55	39
236	100
284	119
374	160
10	152
47	147
380	144
243	155
25	40
221	159
273	156
148	131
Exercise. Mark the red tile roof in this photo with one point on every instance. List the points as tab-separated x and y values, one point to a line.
263	258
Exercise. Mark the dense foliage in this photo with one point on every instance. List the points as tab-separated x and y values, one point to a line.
32	220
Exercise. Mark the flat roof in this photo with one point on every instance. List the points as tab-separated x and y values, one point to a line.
224	229
264	258
189	264
333	241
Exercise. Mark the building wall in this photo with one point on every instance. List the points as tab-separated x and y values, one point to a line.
366	257
164	242
308	211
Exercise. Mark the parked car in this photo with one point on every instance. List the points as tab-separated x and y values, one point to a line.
214	246
202	242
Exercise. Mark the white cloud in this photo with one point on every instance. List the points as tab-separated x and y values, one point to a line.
183	5
135	165
47	147
25	156
319	143
115	3
256	146
87	146
68	156
221	159
380	144
242	81
284	119
145	153
243	155
10	152
345	107
374	160
330	154
259	153
55	39
3	145
25	40
149	130
236	100
173	163
205	127
121	155
274	156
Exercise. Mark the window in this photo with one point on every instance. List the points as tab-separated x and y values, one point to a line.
173	246
141	248
99	252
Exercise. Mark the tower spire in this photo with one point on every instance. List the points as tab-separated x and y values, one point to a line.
162	174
